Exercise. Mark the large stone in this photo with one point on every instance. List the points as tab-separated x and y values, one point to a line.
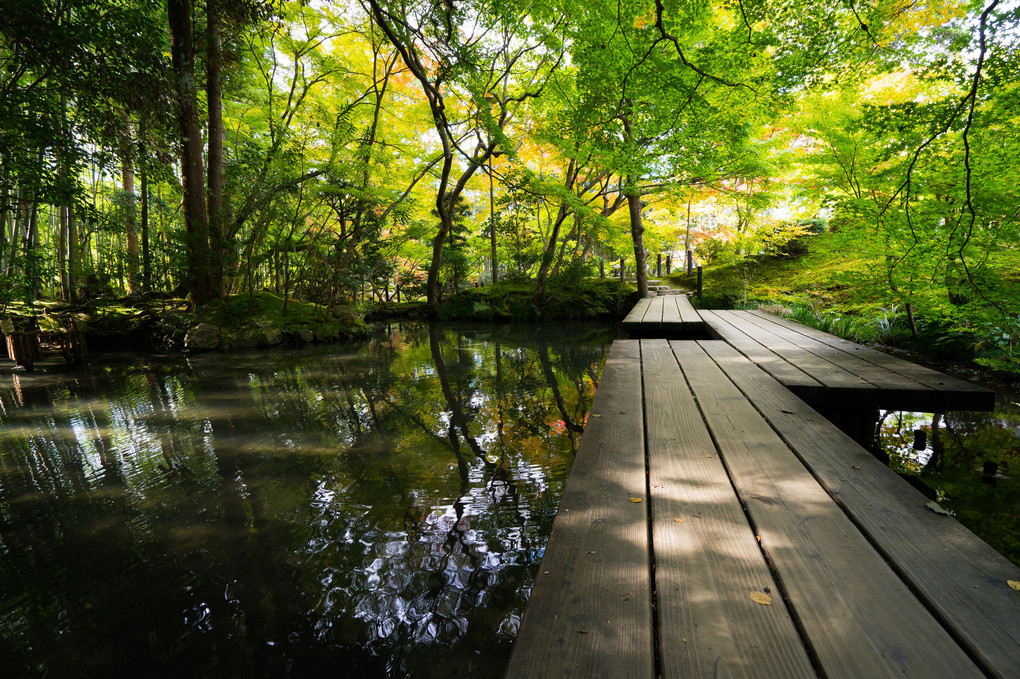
261	333
202	337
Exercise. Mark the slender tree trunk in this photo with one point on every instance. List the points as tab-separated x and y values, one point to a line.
62	251
130	224
214	89
146	255
196	221
492	228
20	227
32	277
549	251
637	231
4	211
72	253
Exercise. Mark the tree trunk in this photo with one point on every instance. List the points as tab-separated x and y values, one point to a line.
182	51
637	231
130	225
146	254
214	90
492	228
72	253
5	210
432	283
32	277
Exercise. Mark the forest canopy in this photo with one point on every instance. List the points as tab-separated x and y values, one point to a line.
329	149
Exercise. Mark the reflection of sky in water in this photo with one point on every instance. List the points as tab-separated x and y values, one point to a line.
372	510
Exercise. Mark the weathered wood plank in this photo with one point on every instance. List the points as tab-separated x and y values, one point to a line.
590	610
688	314
859	617
953	570
895	391
670	311
707	559
788	374
956	393
638	312
841	386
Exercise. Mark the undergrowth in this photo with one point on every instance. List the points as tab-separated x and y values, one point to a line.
573	299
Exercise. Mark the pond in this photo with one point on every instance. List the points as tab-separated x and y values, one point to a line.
968	462
375	509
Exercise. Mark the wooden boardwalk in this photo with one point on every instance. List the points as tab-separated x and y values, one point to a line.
714	525
670	316
825	371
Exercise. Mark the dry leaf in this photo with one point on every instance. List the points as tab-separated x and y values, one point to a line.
1014	585
679	520
635	499
590	551
857	467
934	506
761	598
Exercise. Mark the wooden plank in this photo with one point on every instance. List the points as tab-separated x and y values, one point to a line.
653	316
590	612
958	394
953	570
670	311
842	387
895	391
688	314
859	617
788	374
638	312
707	559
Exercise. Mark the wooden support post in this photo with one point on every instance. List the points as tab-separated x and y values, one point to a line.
658	264
989	473
690	262
623	275
602	268
920	439
699	281
669	260
398	294
23	348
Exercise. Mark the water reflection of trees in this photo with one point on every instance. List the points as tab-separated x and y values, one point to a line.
968	463
366	511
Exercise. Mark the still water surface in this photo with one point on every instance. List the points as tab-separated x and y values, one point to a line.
969	462
371	510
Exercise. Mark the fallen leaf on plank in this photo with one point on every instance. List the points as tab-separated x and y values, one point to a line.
1014	585
679	520
934	506
635	499
761	598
